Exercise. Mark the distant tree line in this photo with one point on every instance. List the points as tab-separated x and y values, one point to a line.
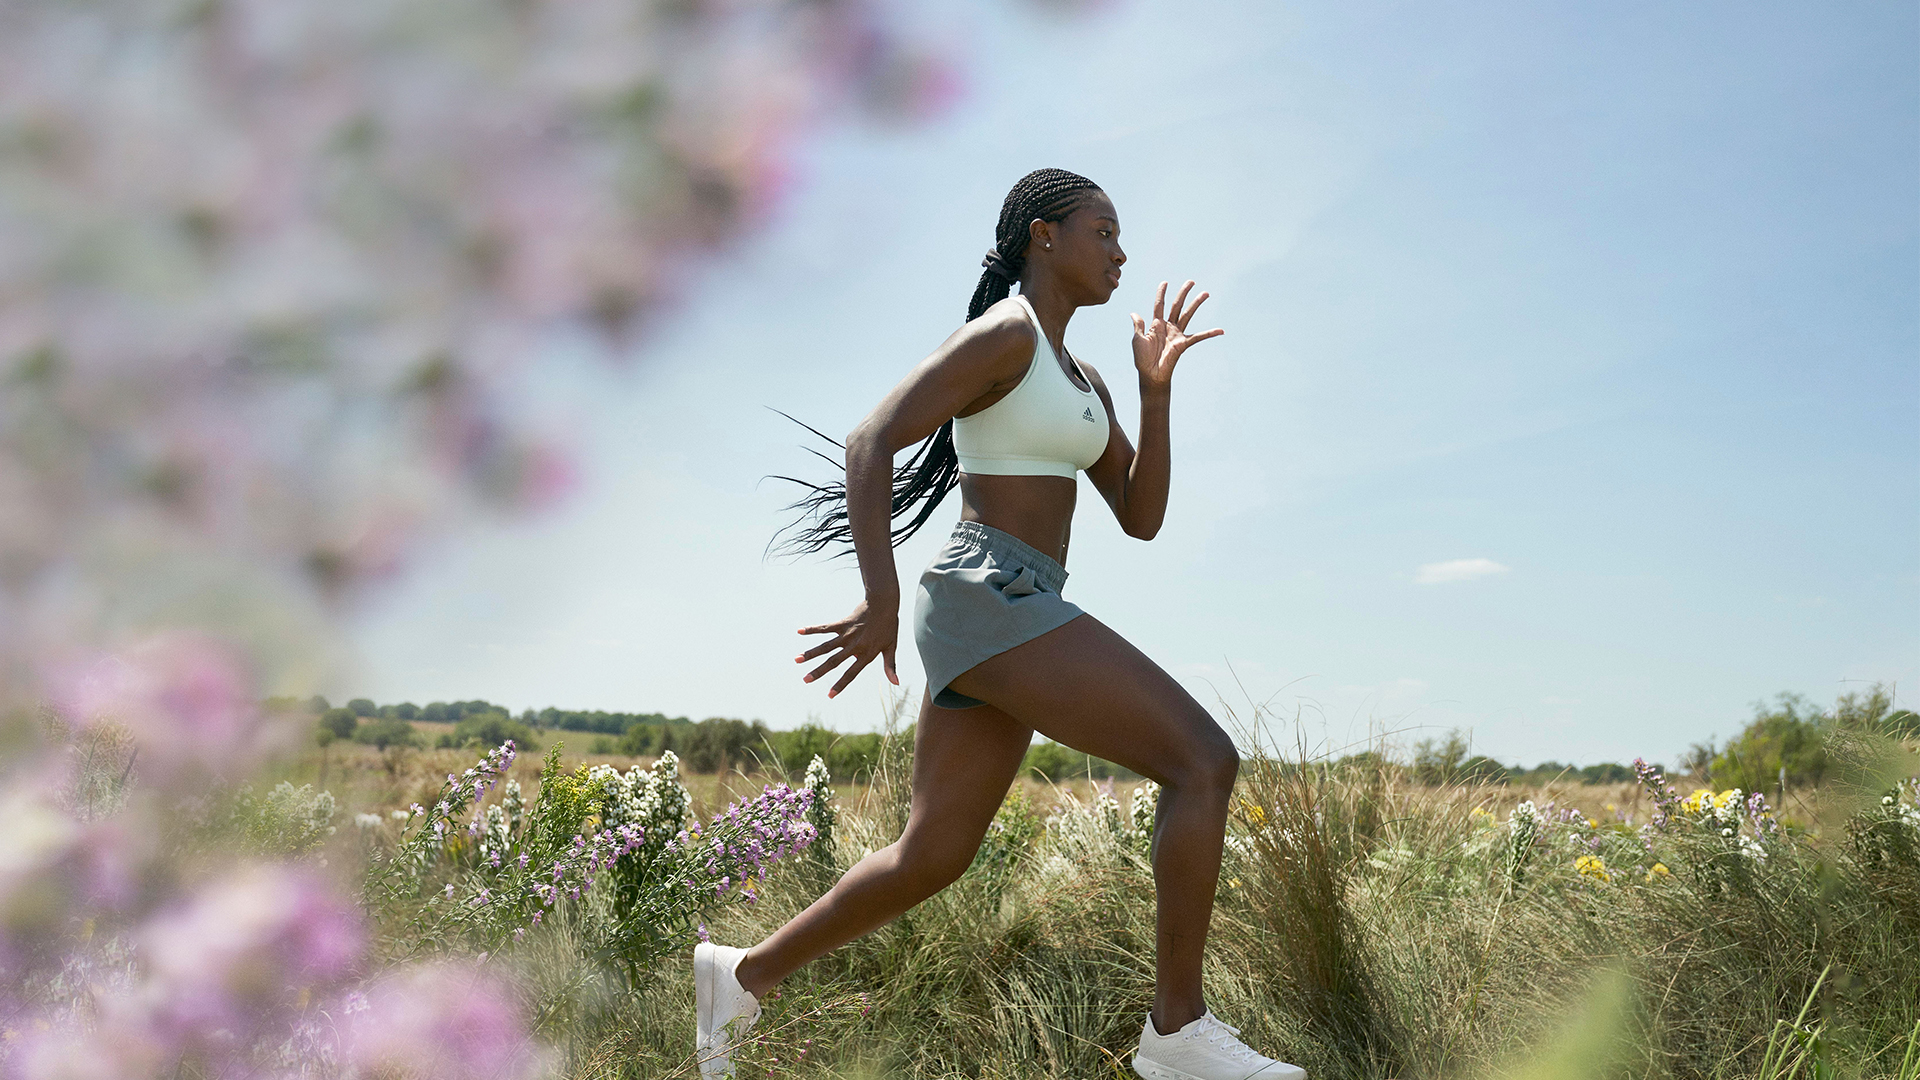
1786	742
712	745
1790	743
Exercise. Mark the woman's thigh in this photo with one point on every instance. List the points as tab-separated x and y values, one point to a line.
1085	686
964	760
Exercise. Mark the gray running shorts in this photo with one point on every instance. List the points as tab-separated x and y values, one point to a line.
984	593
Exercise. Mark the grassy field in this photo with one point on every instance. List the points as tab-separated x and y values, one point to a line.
1365	926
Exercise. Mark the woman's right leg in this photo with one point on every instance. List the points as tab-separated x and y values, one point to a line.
963	762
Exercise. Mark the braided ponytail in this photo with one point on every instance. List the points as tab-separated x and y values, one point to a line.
934	468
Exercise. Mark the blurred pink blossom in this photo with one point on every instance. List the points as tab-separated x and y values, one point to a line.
237	955
186	698
443	1021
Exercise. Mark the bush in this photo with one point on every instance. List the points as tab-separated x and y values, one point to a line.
490	729
287	820
1787	737
1447	762
340	722
720	743
1873	711
849	758
1052	761
385	733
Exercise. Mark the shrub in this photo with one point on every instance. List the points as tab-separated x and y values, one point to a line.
1051	761
340	721
1786	737
719	743
489	729
287	820
1448	762
849	758
385	733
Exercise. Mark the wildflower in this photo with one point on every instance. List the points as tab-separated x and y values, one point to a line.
1658	870
1592	866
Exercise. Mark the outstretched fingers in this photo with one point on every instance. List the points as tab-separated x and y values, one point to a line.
1174	315
832	662
1187	315
859	665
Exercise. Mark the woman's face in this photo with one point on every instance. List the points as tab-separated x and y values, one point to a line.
1085	258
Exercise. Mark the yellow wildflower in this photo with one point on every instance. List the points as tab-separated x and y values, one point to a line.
1256	814
1235	882
1482	818
1702	798
1658	870
1592	866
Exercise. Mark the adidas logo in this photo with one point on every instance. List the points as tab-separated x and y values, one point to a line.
1088	415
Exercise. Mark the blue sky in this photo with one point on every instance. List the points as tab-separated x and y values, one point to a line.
1620	299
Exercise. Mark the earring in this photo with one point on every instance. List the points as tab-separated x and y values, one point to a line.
1049	247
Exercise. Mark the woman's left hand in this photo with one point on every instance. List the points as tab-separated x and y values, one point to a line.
1157	345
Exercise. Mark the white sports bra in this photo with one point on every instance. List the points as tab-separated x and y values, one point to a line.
1045	426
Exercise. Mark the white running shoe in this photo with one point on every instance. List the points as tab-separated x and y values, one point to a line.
1205	1050
723	1009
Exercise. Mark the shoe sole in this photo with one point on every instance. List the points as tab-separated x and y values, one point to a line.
1153	1070
703	964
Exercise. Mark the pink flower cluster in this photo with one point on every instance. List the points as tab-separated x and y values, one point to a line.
574	872
746	838
238	976
1665	799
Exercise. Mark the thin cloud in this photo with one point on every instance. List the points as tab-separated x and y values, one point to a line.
1439	573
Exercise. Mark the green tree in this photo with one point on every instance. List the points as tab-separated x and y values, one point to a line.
1787	736
363	708
1052	761
340	721
1872	710
490	729
385	733
720	742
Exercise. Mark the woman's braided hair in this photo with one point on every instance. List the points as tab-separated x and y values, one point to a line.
934	468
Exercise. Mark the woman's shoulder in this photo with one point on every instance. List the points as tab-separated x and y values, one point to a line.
1002	338
1008	318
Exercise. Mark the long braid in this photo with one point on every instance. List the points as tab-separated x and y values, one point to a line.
934	468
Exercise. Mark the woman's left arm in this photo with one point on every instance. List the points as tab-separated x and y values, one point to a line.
1134	482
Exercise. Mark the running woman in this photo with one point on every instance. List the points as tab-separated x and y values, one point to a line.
1002	411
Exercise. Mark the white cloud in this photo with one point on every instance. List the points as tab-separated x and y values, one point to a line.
1438	573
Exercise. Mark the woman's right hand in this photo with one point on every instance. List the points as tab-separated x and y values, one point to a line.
861	636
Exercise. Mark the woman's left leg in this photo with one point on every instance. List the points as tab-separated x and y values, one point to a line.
963	762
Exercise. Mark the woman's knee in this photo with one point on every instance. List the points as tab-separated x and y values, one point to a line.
929	866
1212	763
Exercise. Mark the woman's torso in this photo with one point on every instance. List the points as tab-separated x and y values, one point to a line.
1020	451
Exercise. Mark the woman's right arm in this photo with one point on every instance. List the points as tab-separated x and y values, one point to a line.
989	353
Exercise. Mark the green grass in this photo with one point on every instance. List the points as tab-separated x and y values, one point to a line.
1365	927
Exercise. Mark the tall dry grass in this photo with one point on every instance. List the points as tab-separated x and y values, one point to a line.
1365	926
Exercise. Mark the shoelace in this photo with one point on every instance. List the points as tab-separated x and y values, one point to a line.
1222	1035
